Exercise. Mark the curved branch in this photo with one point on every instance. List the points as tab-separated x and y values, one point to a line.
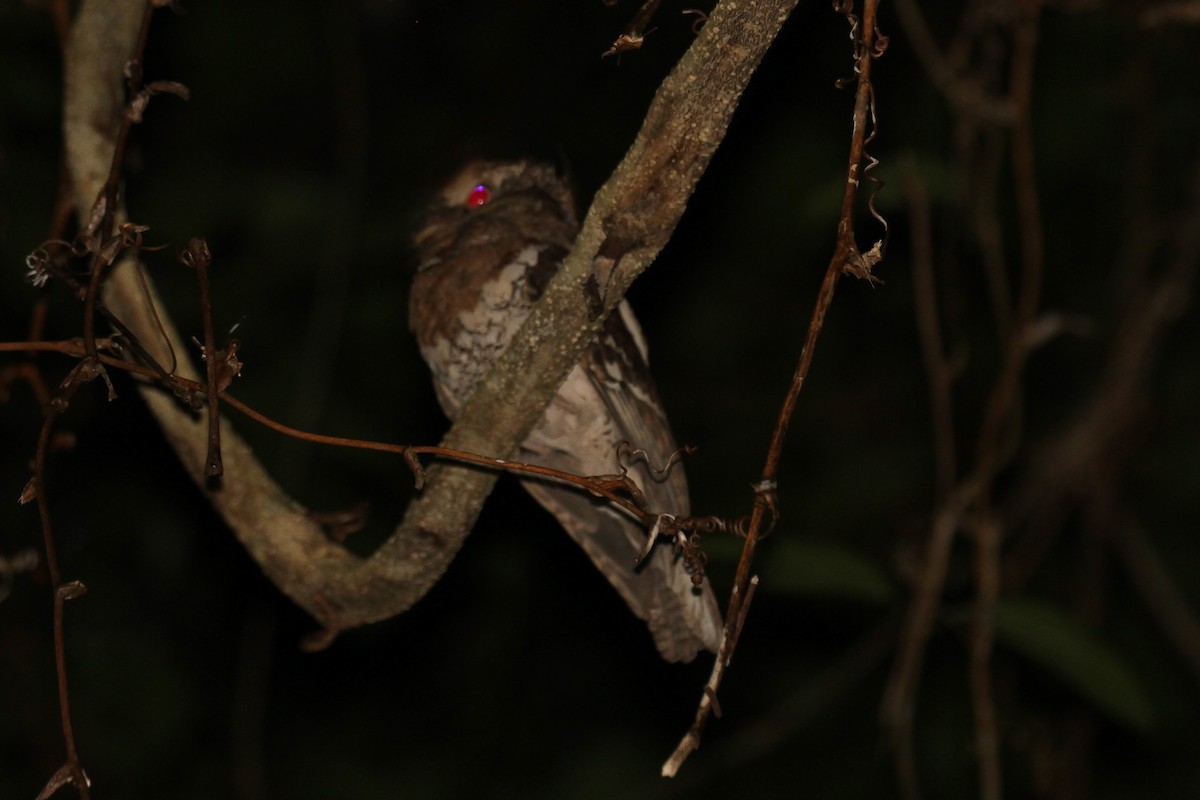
630	220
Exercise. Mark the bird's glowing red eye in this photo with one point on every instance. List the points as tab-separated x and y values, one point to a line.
478	196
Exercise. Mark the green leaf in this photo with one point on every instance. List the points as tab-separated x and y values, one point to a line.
826	569
1076	655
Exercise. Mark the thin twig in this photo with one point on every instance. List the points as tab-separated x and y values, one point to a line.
197	256
971	502
60	218
85	371
899	697
616	489
965	94
987	593
72	770
845	253
1003	400
938	369
984	187
1005	392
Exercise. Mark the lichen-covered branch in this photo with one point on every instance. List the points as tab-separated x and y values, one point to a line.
630	220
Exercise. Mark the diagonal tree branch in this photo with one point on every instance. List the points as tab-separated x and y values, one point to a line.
630	220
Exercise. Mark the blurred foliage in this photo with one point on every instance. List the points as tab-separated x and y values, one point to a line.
313	133
1072	652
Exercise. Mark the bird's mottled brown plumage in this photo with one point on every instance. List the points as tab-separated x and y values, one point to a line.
482	269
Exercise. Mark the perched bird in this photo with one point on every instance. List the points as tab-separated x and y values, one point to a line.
494	237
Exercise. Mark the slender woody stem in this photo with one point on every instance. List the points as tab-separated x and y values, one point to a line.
744	581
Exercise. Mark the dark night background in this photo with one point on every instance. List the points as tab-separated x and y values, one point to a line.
313	133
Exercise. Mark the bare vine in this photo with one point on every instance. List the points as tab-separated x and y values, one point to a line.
868	45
